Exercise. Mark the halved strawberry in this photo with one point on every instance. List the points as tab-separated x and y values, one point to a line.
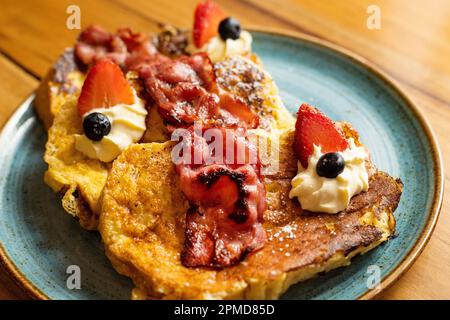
315	128
207	18
105	86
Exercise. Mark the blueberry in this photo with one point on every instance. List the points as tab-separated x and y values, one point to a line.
330	165
230	28
96	125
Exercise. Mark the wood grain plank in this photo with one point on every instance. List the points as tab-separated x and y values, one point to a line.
9	290
410	44
16	86
181	13
34	40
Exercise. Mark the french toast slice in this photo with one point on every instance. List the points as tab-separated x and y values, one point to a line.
78	179
143	220
245	77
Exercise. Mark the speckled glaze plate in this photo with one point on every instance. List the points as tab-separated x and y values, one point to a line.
39	241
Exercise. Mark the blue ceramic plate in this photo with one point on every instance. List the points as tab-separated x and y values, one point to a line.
39	241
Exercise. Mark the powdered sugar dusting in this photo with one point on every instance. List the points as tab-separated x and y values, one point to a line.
285	232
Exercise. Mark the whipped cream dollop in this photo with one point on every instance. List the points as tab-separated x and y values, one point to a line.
218	49
127	127
320	194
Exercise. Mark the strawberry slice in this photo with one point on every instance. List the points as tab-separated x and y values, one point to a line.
105	86
207	18
315	128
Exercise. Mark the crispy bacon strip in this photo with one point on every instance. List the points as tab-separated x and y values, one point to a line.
228	202
126	48
185	91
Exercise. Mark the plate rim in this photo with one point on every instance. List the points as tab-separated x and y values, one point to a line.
5	261
434	212
433	215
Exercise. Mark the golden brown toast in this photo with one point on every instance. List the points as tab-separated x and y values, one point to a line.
78	179
143	218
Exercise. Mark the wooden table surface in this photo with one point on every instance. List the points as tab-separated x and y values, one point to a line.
412	46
